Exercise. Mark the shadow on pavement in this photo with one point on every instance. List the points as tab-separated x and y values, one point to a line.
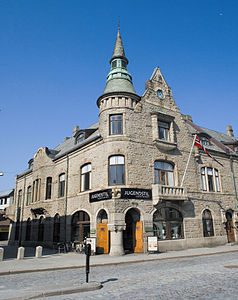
108	280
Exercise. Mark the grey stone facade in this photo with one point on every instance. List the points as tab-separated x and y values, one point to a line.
43	220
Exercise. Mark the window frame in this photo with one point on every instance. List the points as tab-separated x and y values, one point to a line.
164	130
115	122
207	221
29	195
163	172
61	188
19	198
210	179
117	169
48	190
85	175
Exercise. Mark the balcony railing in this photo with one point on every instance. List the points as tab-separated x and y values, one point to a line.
165	192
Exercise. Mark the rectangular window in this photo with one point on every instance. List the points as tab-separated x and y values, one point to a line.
19	199
61	185
48	188
163	130
217	181
86	177
115	124
203	179
210	179
116	170
5	201
28	199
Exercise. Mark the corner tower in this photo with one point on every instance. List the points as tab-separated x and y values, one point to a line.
119	96
119	80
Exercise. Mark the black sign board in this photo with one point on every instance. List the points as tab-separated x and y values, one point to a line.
141	194
100	195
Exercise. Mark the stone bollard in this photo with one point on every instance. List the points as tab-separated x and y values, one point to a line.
20	253
1	253
38	251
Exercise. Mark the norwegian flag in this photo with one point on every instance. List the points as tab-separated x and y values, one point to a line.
199	144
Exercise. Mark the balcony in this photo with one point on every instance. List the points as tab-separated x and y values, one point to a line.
165	192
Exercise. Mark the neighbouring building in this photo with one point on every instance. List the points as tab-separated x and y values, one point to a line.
6	200
121	179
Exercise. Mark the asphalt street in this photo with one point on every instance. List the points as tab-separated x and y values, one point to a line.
204	277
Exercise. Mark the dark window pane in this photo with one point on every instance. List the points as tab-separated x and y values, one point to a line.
120	174
112	175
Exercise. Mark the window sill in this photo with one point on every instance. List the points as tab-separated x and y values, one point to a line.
165	145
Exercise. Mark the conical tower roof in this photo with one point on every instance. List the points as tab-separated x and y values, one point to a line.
118	49
119	80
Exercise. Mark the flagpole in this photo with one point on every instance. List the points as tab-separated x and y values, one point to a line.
188	160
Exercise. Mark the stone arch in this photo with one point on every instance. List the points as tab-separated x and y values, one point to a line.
28	229
41	229
56	228
133	234
80	226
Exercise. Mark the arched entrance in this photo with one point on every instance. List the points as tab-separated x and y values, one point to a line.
80	226
133	235
41	229
28	229
56	230
230	227
102	232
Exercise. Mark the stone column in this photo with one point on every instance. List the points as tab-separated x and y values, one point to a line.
1	253
116	247
20	253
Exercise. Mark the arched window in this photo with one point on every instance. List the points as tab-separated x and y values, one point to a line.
48	188
28	229
61	184
210	179
19	198
164	173
56	232
207	223
86	177
116	170
80	226
29	195
168	224
41	229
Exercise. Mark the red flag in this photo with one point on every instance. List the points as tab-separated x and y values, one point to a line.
199	144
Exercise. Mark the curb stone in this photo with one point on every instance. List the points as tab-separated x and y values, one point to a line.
83	287
12	272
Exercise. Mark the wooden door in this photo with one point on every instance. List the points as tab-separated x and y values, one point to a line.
230	232
139	238
102	238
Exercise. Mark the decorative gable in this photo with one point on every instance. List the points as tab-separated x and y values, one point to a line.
158	92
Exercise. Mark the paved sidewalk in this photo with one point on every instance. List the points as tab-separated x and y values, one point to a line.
70	260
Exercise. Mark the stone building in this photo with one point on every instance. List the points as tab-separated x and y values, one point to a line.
121	180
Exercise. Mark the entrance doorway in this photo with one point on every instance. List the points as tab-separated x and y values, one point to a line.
80	226
133	235
102	233
230	227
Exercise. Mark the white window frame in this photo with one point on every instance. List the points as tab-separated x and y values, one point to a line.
215	179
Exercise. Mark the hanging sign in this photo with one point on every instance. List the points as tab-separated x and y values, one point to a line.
141	194
100	195
153	243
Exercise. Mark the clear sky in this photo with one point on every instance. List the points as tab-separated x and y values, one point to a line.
54	59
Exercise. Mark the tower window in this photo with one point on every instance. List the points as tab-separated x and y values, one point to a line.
115	124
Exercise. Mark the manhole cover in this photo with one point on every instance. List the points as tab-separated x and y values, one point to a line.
231	267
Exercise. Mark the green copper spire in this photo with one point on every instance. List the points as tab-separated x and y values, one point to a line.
119	79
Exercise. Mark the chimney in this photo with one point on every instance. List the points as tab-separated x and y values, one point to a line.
75	130
229	130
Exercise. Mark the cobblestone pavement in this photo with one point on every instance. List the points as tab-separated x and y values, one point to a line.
204	277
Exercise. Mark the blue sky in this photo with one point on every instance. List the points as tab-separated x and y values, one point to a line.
54	59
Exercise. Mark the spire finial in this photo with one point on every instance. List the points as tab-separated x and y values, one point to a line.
118	23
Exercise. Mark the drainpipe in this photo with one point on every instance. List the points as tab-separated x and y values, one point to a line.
233	180
66	194
21	214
